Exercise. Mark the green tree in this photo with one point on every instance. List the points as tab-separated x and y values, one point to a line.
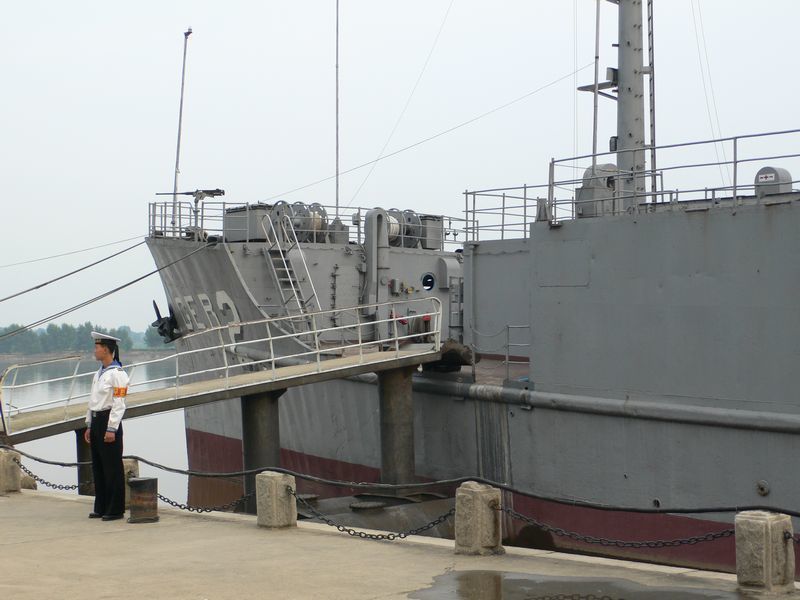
152	339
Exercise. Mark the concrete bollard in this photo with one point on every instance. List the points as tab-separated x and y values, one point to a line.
131	468
275	506
478	525
10	473
764	557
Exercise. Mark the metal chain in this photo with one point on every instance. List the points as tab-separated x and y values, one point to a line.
788	536
573	597
590	539
205	509
50	484
372	536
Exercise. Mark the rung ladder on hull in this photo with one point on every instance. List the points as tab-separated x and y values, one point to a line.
283	240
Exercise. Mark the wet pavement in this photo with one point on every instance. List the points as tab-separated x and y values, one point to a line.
51	549
498	585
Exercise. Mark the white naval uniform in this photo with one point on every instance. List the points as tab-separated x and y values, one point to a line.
109	389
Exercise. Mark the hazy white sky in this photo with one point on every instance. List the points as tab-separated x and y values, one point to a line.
88	110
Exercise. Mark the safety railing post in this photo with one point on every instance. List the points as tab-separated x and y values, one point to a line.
246	222
177	370
224	358
525	211
475	234
395	323
508	351
360	340
551	197
71	387
735	169
316	341
503	218
271	349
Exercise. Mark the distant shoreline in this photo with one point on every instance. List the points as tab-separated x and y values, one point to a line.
127	357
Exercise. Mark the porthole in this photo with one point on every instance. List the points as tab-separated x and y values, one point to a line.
428	282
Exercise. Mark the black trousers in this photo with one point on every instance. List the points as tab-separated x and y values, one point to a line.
109	475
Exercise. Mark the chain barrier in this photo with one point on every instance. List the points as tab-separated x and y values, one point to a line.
788	536
50	484
573	597
205	509
433	484
590	539
372	536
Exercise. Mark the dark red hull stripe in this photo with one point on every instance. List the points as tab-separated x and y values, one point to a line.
211	452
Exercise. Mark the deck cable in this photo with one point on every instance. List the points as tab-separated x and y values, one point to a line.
71	252
105	294
65	275
431	484
434	136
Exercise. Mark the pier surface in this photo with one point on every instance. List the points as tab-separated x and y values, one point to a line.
51	549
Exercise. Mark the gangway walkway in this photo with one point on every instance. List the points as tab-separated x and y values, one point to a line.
334	352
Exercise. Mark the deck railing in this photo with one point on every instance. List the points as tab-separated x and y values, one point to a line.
244	222
412	327
681	180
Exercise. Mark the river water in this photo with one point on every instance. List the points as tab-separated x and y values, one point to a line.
160	438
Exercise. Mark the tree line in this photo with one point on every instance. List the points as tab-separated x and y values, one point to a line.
60	338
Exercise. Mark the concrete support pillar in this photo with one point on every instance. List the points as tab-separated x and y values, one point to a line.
764	552
261	442
478	525
276	506
397	425
131	469
83	453
10	473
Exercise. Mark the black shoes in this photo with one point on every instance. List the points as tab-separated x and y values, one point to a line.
94	515
112	517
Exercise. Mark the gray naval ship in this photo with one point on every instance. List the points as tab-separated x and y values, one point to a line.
629	336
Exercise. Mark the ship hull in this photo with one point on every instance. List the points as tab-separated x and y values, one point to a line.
634	450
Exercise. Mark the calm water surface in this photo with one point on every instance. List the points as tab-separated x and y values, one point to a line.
161	437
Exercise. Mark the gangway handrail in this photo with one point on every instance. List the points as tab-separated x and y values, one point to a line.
392	340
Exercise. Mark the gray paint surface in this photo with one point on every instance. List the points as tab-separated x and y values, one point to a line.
695	307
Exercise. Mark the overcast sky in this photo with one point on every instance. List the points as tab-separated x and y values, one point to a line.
88	111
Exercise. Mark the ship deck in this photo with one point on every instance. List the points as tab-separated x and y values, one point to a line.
223	555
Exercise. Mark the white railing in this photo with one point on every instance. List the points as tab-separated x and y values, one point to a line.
509	349
232	221
682	178
393	326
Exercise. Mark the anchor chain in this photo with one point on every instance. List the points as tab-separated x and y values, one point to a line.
205	509
372	536
44	482
590	539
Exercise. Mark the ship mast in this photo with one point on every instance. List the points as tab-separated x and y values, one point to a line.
630	102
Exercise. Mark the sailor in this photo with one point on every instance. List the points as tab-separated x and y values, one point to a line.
104	429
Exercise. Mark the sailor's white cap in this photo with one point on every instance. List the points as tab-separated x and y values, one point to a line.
104	336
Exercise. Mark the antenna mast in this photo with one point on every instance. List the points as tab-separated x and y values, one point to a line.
337	109
630	102
186	35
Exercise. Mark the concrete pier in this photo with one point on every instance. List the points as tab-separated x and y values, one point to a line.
397	425
261	439
50	549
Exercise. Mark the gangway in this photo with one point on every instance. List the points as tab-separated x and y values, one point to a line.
337	351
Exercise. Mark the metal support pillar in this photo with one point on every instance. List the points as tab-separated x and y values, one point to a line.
261	442
397	425
84	454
